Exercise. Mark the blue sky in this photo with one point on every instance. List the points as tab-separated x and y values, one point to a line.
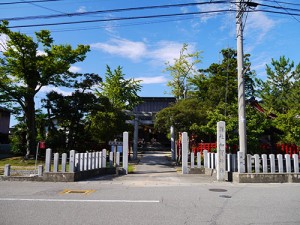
142	47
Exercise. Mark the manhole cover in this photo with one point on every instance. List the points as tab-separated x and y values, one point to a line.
225	196
217	190
84	192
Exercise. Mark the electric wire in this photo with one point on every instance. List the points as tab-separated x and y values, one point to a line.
121	19
287	3
279	7
147	16
26	2
43	7
63	14
109	11
288	12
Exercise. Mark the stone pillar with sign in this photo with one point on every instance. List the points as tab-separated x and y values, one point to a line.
103	158
221	149
115	145
125	151
185	149
241	162
72	161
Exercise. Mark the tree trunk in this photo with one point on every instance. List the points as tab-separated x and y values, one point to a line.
29	113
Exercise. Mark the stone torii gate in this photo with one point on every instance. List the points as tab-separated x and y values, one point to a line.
144	114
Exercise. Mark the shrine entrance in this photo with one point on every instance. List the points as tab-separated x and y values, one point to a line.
144	134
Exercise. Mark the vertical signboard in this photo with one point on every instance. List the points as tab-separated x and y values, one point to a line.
221	149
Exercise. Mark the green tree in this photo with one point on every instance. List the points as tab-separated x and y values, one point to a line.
218	83
214	98
183	115
280	96
279	90
18	137
121	92
71	112
289	123
24	71
183	69
106	125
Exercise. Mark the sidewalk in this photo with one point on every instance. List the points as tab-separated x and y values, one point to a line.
156	169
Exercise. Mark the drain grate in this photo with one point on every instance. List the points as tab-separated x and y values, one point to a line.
217	190
84	192
225	196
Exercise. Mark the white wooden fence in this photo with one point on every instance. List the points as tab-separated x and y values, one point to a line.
254	164
79	161
209	160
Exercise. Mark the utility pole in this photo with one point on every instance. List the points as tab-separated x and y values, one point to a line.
241	6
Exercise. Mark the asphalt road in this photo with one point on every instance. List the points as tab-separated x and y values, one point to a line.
157	194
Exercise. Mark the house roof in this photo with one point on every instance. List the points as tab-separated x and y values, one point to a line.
153	104
254	103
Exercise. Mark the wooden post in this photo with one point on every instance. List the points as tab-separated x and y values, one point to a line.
48	160
198	160
7	170
272	162
56	158
296	163
192	160
280	163
63	162
249	163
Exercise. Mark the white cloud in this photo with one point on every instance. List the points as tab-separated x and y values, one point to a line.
81	9
184	10
211	7
258	25
39	52
74	69
47	89
165	51
152	80
110	26
123	47
159	53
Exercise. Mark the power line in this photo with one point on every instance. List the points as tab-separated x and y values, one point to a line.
110	11
43	7
277	12
147	17
287	3
26	2
121	25
288	12
127	9
278	7
122	18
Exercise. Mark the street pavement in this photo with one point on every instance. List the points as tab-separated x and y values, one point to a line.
157	193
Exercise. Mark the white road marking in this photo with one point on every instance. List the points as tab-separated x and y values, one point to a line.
78	200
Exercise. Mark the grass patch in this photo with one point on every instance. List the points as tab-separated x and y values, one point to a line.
19	161
131	168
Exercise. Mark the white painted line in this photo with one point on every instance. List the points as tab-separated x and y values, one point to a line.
78	200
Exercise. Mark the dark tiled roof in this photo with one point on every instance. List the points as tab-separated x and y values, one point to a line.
153	104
